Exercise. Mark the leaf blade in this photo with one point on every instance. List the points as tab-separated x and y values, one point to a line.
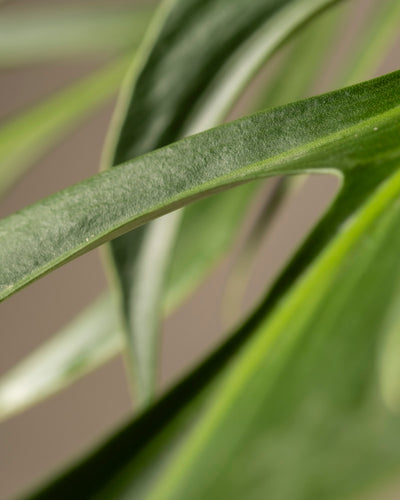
242	164
84	344
233	39
41	34
232	405
25	138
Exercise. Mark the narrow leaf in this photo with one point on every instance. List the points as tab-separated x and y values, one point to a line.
71	222
41	33
291	406
232	41
86	343
380	33
23	139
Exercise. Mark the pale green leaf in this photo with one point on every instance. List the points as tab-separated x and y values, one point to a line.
92	338
380	34
26	137
30	34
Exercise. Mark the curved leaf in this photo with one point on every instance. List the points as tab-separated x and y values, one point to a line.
171	97
26	137
193	255
280	141
90	339
290	407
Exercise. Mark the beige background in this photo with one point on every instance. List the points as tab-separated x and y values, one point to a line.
44	438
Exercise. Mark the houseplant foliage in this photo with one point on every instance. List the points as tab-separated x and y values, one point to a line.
303	400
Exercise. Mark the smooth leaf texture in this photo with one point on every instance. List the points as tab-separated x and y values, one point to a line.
25	138
298	392
310	50
91	339
381	33
42	33
169	98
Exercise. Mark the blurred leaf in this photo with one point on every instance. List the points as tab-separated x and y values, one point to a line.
380	33
293	80
172	97
309	52
194	256
31	34
23	139
86	343
290	407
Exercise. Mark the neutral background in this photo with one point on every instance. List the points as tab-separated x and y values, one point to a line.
47	436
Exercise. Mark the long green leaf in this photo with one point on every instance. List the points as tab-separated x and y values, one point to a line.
220	217
179	283
193	256
291	406
87	342
71	222
293	81
28	136
232	41
41	33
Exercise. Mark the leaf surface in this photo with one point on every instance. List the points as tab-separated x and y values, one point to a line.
192	258
283	140
295	405
169	98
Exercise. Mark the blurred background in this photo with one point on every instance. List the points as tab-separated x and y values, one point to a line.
39	441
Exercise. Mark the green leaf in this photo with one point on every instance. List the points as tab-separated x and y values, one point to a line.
56	229
86	343
193	256
32	243
309	52
41	33
381	32
232	41
220	223
220	217
294	406
23	139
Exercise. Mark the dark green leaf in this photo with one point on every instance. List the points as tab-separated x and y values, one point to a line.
297	405
172	97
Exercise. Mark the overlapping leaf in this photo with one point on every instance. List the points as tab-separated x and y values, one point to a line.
171	97
193	255
294	406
